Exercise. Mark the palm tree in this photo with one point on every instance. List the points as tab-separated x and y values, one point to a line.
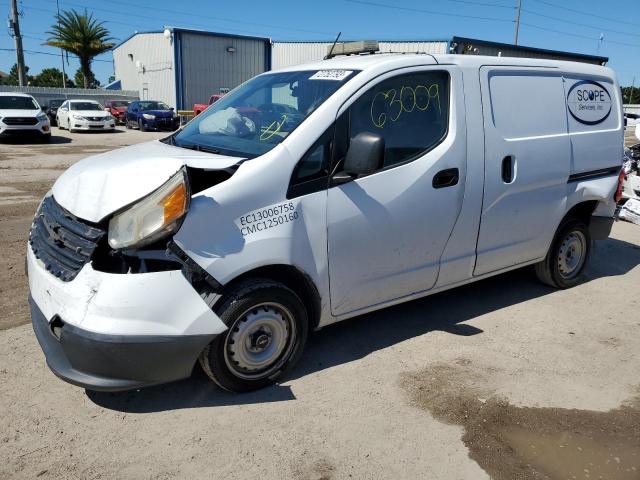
81	35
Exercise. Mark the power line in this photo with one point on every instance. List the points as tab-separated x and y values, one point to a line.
594	27
35	52
226	19
590	15
431	12
635	45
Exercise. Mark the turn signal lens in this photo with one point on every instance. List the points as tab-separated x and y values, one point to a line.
175	204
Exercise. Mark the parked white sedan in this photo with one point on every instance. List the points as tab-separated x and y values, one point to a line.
84	115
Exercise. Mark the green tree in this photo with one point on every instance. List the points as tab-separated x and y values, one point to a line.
92	82
50	77
631	95
12	79
81	35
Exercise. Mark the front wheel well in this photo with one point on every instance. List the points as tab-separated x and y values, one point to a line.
291	277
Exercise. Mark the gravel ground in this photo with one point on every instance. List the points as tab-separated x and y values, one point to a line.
498	378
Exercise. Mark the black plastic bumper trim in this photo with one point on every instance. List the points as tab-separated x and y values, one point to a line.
115	362
593	174
600	227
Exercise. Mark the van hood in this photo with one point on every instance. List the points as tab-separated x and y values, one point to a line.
101	184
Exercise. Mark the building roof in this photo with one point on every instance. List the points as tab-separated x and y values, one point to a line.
3	74
194	31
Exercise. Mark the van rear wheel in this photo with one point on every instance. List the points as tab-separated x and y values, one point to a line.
568	256
267	330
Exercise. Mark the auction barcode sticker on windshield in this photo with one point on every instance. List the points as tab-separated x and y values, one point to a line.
331	75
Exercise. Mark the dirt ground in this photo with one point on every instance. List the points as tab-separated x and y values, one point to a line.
505	378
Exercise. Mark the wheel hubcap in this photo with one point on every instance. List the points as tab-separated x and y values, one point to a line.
260	341
571	255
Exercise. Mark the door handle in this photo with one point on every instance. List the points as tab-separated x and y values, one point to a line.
508	164
446	178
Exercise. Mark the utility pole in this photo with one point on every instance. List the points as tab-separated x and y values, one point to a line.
64	74
15	26
518	8
633	86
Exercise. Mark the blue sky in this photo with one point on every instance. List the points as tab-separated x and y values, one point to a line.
571	25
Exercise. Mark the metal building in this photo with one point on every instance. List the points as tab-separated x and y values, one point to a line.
286	54
182	67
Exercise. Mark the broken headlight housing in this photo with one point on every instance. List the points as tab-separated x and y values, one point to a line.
152	218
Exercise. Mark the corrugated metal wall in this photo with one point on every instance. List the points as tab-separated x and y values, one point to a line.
207	66
286	54
155	79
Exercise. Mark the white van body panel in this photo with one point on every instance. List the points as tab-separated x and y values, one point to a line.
393	213
331	238
104	183
115	304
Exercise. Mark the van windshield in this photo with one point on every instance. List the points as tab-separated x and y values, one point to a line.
255	117
18	102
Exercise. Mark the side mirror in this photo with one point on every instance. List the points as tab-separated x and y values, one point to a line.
172	109
365	154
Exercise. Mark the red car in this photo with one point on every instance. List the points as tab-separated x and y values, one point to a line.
117	109
198	108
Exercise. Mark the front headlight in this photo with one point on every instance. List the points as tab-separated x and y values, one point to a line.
148	116
75	116
42	116
153	217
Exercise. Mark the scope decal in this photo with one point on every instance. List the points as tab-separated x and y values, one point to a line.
589	102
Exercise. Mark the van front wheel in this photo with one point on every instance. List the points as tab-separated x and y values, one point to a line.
567	258
267	330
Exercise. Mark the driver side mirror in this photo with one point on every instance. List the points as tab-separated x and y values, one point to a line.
364	157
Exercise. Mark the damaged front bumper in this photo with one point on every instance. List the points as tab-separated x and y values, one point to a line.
105	331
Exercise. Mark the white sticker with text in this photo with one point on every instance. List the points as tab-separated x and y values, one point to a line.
338	75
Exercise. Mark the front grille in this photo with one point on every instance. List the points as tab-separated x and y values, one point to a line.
20	120
63	242
95	119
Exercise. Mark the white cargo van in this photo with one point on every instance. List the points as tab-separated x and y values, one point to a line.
314	194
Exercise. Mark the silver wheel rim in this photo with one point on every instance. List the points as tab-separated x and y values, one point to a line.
571	255
260	341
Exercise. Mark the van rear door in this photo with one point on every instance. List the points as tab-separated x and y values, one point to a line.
527	164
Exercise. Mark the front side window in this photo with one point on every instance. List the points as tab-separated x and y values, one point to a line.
85	106
261	113
411	113
18	102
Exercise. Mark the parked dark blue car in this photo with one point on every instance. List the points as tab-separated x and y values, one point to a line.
151	115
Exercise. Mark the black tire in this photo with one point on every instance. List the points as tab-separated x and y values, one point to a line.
141	126
554	270
127	125
255	297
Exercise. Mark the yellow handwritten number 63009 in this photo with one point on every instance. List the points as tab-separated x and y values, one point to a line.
406	99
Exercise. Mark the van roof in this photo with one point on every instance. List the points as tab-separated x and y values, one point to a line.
399	60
